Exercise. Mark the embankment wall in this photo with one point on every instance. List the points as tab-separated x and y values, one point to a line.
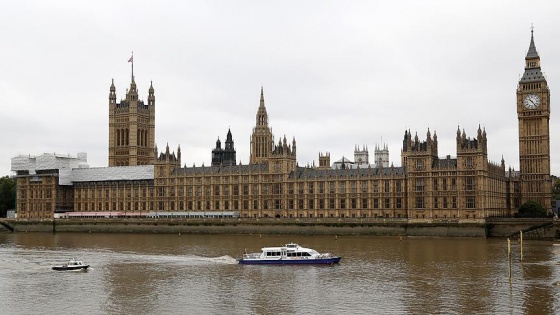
539	229
254	227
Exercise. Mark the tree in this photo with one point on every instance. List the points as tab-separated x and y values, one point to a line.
532	209
556	189
7	194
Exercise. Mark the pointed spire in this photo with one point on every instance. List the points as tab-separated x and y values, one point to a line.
533	71
532	52
229	137
131	60
132	93
112	94
151	96
262	116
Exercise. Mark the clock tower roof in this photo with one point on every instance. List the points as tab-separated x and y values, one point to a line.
532	52
532	72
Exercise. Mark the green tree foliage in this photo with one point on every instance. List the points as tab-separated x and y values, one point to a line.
532	209
7	194
556	189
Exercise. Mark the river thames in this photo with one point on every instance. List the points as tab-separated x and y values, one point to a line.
199	274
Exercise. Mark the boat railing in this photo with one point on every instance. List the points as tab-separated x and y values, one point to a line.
252	256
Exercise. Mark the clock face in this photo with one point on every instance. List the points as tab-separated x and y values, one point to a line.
532	101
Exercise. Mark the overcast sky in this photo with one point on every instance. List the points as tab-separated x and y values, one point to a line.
335	73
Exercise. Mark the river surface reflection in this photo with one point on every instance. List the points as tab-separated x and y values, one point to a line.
198	274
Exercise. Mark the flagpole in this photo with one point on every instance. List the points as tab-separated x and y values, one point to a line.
132	61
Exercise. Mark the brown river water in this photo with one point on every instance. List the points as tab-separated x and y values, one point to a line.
199	274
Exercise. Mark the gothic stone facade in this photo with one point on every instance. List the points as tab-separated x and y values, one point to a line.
131	128
425	186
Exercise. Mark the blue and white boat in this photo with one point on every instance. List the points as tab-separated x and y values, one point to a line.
291	253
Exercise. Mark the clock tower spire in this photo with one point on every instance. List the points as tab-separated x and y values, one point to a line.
533	113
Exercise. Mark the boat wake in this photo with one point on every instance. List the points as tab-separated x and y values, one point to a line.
180	260
195	260
228	260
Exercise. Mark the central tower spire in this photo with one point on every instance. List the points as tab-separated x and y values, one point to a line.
262	138
262	116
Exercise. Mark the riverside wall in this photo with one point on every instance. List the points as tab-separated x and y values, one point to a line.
243	226
533	229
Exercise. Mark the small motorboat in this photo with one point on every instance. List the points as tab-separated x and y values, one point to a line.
72	264
289	254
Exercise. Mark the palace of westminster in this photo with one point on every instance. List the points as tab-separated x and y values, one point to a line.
141	181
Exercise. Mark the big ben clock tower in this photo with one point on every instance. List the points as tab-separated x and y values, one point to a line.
533	113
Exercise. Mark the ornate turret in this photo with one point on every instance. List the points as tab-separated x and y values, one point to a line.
262	116
324	160
131	127
226	156
229	141
170	157
423	152
262	138
478	144
112	93
151	96
132	92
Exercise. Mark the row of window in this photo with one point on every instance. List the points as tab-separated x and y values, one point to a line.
122	137
277	204
469	184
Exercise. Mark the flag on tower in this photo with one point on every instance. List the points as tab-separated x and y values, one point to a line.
130	60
